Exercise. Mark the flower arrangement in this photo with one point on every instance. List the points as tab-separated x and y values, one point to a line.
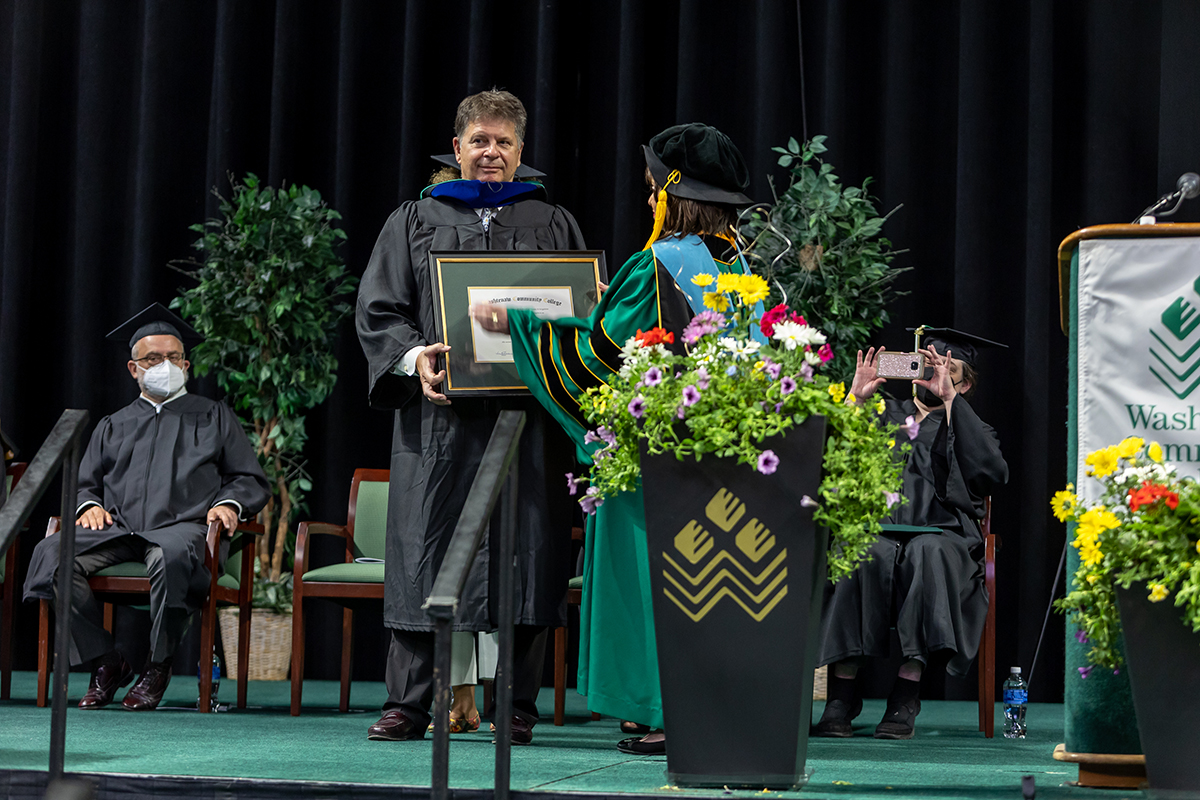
728	395
1144	527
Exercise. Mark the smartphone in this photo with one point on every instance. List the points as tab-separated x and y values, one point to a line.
901	366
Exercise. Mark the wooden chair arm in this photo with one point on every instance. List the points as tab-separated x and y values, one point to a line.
53	526
306	528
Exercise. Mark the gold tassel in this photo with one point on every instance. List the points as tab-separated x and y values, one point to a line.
660	209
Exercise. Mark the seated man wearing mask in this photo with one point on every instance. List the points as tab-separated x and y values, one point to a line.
925	575
154	475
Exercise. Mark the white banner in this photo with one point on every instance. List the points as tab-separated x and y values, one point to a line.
1138	318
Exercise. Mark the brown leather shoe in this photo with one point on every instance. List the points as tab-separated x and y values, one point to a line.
147	693
522	731
110	674
394	726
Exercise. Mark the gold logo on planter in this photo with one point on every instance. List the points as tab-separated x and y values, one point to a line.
737	572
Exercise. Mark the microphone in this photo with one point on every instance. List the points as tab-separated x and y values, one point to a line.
1187	187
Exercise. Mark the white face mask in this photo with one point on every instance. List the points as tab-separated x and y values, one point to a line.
163	380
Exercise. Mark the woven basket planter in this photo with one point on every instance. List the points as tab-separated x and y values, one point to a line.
821	683
270	643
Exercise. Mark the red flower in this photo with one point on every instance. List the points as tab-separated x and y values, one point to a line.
796	318
654	336
776	314
1148	493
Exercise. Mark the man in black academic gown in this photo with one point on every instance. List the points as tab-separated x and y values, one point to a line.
436	445
154	475
928	584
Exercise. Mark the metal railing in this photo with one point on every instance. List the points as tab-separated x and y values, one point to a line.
442	605
61	449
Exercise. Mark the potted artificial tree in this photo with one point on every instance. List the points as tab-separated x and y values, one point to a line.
820	247
1139	578
268	299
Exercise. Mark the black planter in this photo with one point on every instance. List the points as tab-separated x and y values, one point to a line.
737	568
1163	657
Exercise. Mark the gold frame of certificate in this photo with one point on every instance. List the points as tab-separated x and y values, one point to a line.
555	283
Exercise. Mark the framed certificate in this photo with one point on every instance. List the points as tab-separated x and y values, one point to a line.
553	283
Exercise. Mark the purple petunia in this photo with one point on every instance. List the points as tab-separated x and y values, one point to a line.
768	462
1117	671
806	371
589	502
911	427
591	437
637	407
680	413
808	502
653	377
691	395
571	484
787	385
892	498
1085	671
778	407
702	378
772	369
1081	637
607	436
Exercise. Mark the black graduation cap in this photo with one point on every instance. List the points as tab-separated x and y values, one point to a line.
711	168
524	171
155	319
964	345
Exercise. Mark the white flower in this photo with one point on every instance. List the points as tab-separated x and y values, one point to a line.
738	349
308	240
812	358
793	335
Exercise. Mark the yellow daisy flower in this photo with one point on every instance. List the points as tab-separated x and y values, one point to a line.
728	282
716	301
1154	451
837	391
702	280
752	289
1063	505
1093	577
1102	462
1099	517
1128	447
1198	545
1158	592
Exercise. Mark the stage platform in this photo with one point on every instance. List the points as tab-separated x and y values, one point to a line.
263	752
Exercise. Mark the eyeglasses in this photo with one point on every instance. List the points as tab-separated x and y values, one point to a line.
154	359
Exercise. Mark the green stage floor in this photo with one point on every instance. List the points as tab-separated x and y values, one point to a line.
947	759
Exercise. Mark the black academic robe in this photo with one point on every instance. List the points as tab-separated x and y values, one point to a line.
158	475
930	587
436	450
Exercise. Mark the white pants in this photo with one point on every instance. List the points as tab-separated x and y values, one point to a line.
468	666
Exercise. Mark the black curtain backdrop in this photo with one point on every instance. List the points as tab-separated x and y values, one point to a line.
1000	127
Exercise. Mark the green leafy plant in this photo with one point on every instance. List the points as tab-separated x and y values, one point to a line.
1143	527
821	247
728	395
267	300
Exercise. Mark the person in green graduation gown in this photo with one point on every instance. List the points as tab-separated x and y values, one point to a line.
697	180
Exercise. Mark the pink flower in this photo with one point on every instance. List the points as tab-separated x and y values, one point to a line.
911	427
826	353
1085	671
768	462
767	323
637	407
796	318
691	395
702	324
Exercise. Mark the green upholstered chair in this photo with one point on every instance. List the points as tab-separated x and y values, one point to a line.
350	582
8	590
128	584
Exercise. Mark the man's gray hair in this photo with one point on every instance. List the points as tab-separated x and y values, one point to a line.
487	105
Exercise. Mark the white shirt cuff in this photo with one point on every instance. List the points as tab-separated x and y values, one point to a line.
408	362
84	505
230	503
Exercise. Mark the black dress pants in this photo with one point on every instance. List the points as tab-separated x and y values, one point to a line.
409	674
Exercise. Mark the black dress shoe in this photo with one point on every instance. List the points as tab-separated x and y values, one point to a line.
835	721
634	727
636	747
898	720
112	673
522	731
147	693
394	726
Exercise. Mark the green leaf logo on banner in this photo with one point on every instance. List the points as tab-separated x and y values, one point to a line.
1178	359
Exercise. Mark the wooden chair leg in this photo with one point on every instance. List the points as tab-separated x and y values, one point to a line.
297	651
6	633
43	678
560	675
347	657
488	688
595	717
245	617
208	622
108	617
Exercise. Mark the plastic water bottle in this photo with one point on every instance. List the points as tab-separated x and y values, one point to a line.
216	681
1016	695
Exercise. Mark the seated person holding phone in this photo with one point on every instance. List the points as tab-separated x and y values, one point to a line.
927	584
